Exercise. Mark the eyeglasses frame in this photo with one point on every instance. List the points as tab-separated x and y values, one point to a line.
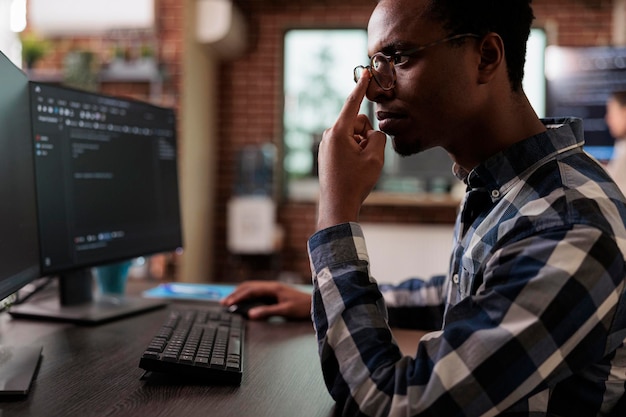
409	52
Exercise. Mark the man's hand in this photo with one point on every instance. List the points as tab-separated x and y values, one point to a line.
351	157
291	302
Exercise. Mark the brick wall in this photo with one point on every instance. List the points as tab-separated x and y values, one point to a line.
166	41
577	22
251	100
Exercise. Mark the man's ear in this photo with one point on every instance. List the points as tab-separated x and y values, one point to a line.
491	57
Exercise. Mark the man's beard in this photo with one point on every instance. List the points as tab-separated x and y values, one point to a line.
406	149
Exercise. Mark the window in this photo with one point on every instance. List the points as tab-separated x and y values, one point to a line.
317	79
534	73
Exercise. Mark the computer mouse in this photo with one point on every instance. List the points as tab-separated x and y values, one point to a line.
243	306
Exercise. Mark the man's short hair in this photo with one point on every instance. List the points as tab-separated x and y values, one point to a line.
619	97
511	19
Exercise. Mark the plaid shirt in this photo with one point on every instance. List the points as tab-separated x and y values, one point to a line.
534	308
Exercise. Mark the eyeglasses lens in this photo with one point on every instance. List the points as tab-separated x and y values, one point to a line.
382	70
358	72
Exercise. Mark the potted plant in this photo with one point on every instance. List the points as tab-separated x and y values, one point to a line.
33	49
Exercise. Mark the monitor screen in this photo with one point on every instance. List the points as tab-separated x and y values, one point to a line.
107	191
106	176
19	255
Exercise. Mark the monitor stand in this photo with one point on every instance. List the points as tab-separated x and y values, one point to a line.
18	366
77	304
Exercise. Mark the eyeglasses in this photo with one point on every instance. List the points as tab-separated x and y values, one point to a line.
382	67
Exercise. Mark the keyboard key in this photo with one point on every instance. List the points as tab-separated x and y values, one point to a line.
217	361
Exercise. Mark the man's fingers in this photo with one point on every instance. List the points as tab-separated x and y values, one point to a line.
362	125
351	107
262	312
245	291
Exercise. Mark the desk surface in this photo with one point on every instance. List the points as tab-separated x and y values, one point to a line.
93	371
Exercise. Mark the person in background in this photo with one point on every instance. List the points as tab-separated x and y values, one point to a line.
533	308
616	121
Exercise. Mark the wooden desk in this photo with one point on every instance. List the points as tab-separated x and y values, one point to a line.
93	371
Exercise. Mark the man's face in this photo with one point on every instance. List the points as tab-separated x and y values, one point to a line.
616	119
435	96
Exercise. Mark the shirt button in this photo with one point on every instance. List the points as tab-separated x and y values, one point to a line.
455	278
495	193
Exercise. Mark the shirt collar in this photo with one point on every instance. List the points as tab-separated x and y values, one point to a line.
500	171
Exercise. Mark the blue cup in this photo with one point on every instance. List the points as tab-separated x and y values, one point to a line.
112	278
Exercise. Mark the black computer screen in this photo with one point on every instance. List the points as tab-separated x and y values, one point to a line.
19	255
106	177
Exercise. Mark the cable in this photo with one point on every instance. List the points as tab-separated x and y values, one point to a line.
26	292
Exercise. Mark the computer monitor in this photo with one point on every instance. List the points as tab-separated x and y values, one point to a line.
19	254
579	83
107	191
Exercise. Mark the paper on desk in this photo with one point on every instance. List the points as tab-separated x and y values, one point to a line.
190	291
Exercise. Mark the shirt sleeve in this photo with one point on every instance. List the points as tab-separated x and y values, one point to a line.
542	312
415	303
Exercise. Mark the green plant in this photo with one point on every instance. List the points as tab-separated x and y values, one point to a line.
146	51
33	49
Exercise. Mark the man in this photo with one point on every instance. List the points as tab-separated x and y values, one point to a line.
534	316
616	122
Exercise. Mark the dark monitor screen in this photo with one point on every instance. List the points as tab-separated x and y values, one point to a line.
579	82
19	255
106	176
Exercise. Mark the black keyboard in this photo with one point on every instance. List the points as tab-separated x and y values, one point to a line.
204	344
